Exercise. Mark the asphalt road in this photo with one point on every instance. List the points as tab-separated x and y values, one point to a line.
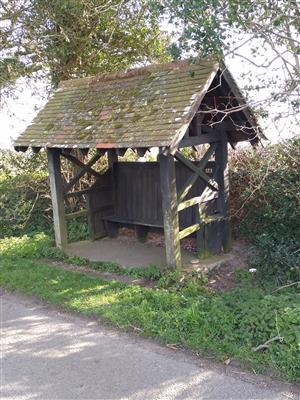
47	354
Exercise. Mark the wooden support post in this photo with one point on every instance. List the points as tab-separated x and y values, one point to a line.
200	234
57	195
141	233
223	183
170	210
112	158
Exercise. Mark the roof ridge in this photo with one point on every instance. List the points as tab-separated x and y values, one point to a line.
139	71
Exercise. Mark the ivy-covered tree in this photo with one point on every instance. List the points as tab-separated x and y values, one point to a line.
62	39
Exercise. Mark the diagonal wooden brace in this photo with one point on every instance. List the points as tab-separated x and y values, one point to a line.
210	182
84	169
199	167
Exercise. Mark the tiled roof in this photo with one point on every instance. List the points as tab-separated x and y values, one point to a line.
144	107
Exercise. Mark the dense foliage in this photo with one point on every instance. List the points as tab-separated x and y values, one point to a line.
227	325
263	35
25	201
25	204
265	201
62	39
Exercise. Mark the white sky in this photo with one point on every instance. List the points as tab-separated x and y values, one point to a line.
18	112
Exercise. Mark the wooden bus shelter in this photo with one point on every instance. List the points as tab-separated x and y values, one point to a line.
172	107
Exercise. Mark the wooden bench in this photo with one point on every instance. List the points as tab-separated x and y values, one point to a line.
113	223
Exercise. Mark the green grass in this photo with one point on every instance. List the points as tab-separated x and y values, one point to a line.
41	246
226	325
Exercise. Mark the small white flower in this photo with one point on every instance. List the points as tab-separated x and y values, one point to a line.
252	270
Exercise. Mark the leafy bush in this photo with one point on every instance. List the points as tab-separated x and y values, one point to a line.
32	247
25	205
265	205
25	201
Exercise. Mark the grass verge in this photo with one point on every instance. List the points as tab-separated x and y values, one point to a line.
227	325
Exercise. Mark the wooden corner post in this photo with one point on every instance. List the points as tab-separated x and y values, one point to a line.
170	209
57	196
223	183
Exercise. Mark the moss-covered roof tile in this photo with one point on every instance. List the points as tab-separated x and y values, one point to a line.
144	107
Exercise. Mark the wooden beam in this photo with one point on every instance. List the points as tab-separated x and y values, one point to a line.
193	178
222	178
112	157
85	169
210	182
170	210
57	195
86	191
76	214
207	195
188	231
189	203
201	139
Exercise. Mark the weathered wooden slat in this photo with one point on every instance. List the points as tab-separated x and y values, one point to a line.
213	218
76	214
207	195
189	203
86	191
188	231
102	208
114	218
201	139
170	210
56	187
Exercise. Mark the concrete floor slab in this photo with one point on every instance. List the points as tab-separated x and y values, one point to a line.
128	254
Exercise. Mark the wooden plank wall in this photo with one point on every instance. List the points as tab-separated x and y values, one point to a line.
138	194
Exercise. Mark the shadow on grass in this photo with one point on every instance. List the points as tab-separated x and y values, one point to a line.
227	325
